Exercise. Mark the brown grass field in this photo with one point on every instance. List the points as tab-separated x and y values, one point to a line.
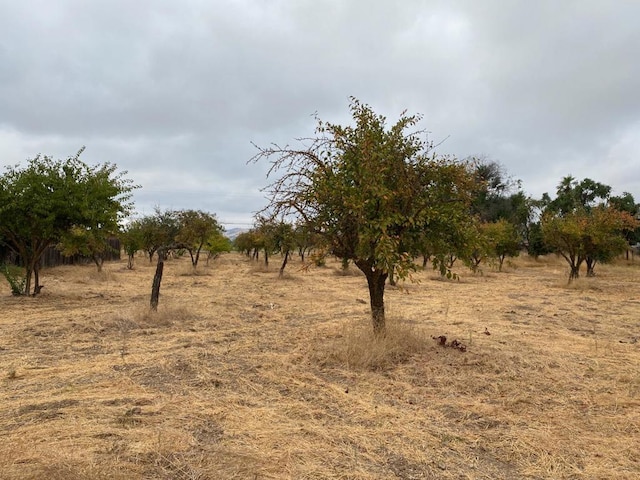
242	375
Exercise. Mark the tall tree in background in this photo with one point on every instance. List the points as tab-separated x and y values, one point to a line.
499	197
41	202
370	192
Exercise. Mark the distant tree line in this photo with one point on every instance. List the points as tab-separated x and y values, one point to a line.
194	231
373	195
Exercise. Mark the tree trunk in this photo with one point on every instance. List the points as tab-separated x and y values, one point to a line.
36	279
392	278
157	279
284	263
266	257
376	280
425	259
27	283
130	261
575	272
99	261
591	265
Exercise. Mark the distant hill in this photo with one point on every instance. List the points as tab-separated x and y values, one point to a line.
232	233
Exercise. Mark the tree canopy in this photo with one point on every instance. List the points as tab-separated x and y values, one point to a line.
45	200
582	225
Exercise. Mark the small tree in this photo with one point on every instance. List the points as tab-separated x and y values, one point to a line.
216	244
596	234
604	238
284	241
503	240
195	228
131	241
158	230
244	243
369	191
305	239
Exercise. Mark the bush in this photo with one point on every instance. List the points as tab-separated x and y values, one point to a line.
16	278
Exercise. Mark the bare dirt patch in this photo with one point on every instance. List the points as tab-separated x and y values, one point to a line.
244	375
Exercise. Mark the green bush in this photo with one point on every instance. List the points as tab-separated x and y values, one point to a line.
16	278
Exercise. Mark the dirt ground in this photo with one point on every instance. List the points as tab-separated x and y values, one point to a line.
242	375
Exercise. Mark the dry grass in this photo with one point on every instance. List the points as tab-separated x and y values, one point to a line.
241	375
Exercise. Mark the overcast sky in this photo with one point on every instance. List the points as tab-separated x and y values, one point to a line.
176	91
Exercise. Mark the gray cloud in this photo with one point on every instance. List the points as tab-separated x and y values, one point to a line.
174	92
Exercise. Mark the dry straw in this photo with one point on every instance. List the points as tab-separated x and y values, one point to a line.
242	376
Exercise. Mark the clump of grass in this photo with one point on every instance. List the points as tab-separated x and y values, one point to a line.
191	271
260	267
349	272
359	348
101	276
166	315
144	317
579	284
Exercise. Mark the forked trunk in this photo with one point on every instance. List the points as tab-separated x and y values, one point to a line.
99	261
591	265
501	260
575	273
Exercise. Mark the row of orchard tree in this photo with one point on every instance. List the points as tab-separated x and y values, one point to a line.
379	196
584	223
193	231
80	209
374	195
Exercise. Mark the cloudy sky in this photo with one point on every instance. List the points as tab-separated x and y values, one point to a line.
176	91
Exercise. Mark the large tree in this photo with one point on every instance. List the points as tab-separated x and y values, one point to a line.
41	202
370	191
